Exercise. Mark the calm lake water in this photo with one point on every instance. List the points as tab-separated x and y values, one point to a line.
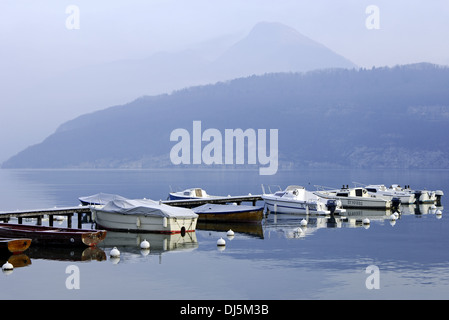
269	261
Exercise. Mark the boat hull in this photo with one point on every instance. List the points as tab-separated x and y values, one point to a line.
360	202
141	223
249	216
14	245
292	207
176	197
52	236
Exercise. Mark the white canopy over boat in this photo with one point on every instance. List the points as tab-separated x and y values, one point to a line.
146	207
99	198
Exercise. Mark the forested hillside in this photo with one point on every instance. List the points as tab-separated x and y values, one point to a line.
382	117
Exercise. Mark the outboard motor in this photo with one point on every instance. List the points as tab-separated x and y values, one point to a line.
418	195
395	203
331	205
438	195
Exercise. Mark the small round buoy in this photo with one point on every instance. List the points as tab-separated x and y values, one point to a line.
393	217
144	244
221	242
303	222
230	233
366	221
115	253
438	212
7	266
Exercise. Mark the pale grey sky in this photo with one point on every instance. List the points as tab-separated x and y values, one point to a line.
36	45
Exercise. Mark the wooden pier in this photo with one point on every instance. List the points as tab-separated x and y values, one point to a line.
5	216
51	212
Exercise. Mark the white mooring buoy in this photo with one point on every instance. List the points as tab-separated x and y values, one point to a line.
438	212
230	233
221	242
115	253
7	266
366	221
303	222
145	244
393	217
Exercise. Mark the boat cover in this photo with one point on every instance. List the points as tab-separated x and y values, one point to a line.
146	207
99	198
224	208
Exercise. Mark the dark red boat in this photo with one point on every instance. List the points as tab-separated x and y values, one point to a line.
52	236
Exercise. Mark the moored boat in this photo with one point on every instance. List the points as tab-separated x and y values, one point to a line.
191	193
424	196
210	212
52	236
144	215
98	199
390	193
298	200
355	198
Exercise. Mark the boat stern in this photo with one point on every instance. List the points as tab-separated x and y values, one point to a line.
91	239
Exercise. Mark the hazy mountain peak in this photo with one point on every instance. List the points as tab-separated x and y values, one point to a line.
278	33
275	47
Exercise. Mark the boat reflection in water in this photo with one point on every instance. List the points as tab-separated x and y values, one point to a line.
66	254
55	253
17	261
422	208
128	243
300	226
250	229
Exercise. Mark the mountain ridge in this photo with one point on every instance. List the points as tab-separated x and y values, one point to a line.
338	117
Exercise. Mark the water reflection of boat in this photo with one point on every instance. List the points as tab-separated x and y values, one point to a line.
67	254
252	229
422	208
292	225
158	242
300	226
17	260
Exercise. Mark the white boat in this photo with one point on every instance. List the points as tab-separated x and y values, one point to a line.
390	193
423	196
144	216
297	200
355	198
191	193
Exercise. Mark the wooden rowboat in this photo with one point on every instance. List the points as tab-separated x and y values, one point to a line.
52	236
14	245
228	213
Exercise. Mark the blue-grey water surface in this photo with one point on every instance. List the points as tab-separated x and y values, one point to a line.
270	261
